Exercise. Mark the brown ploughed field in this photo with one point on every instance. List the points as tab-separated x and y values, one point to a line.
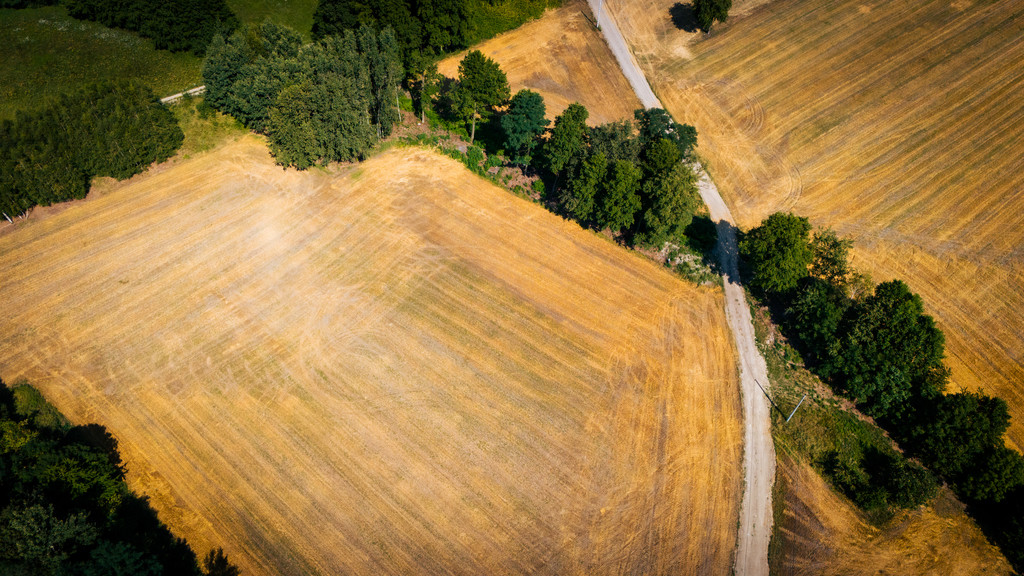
389	368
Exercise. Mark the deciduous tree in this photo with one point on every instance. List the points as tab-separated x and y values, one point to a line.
568	139
620	199
671	200
484	84
523	124
708	12
778	252
831	257
656	123
579	197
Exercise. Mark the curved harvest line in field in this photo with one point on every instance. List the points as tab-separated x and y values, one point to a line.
759	451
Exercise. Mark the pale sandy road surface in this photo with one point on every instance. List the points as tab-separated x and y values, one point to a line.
759	454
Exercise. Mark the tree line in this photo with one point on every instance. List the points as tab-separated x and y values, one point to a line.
180	26
330	100
112	129
632	178
65	508
425	29
875	345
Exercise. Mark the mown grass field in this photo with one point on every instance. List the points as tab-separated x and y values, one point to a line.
564	58
46	52
900	124
395	368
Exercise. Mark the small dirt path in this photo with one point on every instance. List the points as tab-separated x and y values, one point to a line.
755	526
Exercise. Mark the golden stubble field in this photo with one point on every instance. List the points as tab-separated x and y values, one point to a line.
900	124
823	534
392	368
564	58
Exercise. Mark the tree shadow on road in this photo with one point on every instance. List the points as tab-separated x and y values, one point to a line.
684	17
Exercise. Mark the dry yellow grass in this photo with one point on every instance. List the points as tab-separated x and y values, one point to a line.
822	534
901	124
564	58
395	368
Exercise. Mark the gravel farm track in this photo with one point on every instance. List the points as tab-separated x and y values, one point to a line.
755	521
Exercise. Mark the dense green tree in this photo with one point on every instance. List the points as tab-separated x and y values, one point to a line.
220	69
426	83
660	157
778	252
708	12
656	123
908	484
484	84
337	16
579	197
120	559
181	26
814	317
445	24
112	129
380	52
619	199
328	101
64	506
39	541
831	257
523	124
293	128
955	430
245	75
888	348
345	128
996	472
420	26
408	30
568	140
616	141
216	564
26	3
672	199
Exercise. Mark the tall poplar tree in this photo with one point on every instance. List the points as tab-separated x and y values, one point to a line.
484	84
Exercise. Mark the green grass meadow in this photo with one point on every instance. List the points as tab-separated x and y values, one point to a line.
46	52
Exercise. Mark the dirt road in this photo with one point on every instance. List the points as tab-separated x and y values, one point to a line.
759	453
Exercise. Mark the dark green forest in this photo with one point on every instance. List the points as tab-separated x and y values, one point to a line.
112	129
179	26
65	508
876	346
331	100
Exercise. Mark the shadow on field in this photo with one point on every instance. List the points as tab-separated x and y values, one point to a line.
684	17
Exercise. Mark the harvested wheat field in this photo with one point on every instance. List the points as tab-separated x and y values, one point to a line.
563	57
391	368
900	124
822	534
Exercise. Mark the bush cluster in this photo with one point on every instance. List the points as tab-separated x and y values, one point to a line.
331	100
180	26
107	129
879	348
65	508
